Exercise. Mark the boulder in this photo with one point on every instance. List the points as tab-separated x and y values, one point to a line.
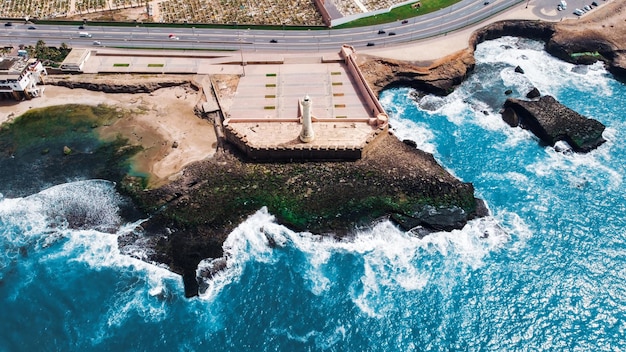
534	93
519	70
552	121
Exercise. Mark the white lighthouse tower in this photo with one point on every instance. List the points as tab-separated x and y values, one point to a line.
307	133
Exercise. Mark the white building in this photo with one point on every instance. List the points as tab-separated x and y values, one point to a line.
19	77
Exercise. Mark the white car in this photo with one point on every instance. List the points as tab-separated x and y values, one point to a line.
173	37
97	42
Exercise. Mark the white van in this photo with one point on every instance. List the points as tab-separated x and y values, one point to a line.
84	35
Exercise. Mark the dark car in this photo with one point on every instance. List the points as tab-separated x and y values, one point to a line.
405	21
81	27
370	44
32	27
486	3
381	31
8	24
392	33
273	41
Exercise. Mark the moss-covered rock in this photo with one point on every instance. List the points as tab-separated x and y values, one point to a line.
193	215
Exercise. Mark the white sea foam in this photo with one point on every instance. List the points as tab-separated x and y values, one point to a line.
41	220
541	70
419	133
247	242
391	257
578	169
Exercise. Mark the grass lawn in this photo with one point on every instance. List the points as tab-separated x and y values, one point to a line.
400	13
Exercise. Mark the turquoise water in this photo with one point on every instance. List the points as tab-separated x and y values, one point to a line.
544	272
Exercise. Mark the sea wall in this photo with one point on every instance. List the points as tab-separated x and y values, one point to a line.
118	86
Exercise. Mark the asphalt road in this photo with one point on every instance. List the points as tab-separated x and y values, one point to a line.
460	15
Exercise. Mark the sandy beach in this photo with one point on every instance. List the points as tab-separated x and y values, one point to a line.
163	122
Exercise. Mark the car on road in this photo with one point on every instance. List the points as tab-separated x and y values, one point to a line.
81	27
380	31
405	21
173	37
8	24
95	42
486	3
392	33
32	27
273	41
370	44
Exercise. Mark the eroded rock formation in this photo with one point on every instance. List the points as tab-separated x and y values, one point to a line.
193	215
439	78
552	121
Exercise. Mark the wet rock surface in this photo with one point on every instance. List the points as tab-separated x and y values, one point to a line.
192	216
552	121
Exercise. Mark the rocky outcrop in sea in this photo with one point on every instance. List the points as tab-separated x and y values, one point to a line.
552	121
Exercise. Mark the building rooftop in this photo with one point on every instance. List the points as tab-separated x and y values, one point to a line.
75	57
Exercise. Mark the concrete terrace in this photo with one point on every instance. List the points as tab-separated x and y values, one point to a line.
271	94
264	116
264	119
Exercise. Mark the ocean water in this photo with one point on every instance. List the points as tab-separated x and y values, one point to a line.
547	271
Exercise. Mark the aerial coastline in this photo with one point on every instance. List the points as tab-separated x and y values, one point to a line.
168	161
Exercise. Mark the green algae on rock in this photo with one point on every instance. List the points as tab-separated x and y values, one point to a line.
55	144
193	215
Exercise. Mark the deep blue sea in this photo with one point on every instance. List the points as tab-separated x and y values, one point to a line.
545	272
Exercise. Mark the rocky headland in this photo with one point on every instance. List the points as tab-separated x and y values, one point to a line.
192	213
